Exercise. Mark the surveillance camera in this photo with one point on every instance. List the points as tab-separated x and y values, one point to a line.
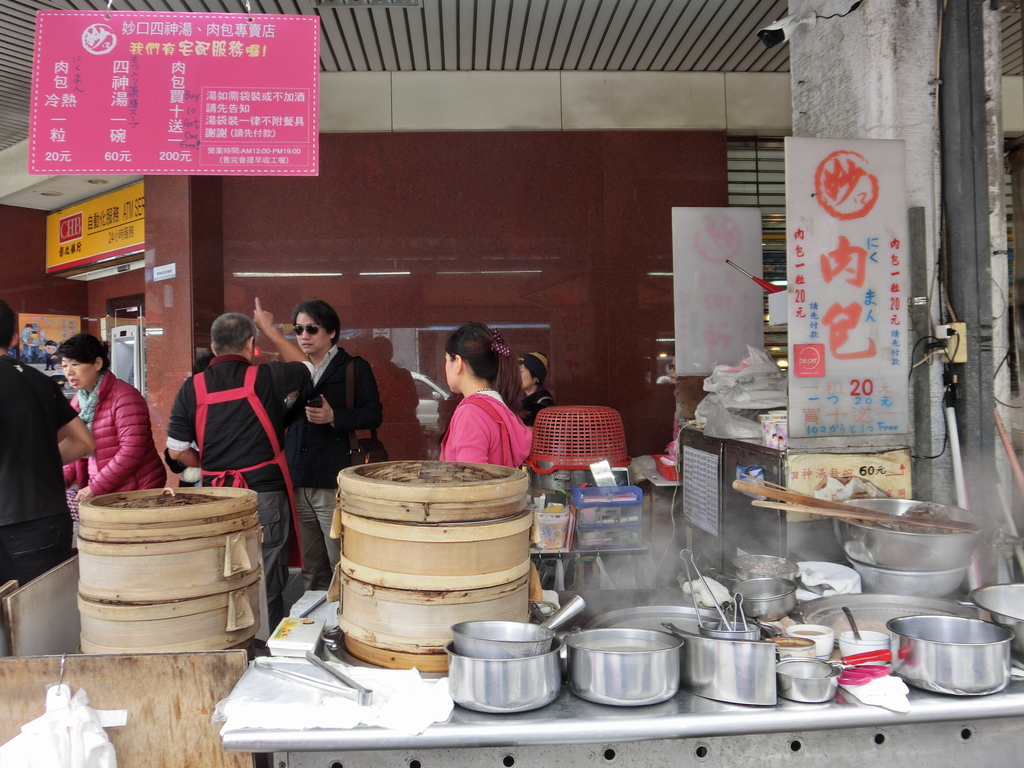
780	31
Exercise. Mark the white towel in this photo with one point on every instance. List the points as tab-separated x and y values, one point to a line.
886	692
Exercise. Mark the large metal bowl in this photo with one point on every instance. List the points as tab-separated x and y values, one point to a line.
889	581
951	654
1005	602
901	551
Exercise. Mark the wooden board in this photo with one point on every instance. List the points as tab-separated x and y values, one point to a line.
169	698
42	616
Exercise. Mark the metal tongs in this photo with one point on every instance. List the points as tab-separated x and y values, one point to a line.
359	694
725	621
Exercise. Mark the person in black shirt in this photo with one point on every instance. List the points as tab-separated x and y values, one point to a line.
533	366
233	446
39	431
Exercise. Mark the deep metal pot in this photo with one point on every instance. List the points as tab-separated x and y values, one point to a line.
504	685
898	550
764	567
951	654
623	667
1005	603
768	599
809	680
735	671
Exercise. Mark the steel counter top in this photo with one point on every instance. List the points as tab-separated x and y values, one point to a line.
570	720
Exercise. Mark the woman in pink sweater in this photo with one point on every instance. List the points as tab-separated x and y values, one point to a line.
484	428
125	458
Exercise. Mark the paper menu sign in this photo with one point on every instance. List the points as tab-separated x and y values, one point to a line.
174	93
718	311
849	284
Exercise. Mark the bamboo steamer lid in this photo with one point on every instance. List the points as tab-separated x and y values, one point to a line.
432	491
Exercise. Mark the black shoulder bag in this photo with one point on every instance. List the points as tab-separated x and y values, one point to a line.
365	450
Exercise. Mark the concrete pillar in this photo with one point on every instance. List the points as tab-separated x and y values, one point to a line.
183	227
872	75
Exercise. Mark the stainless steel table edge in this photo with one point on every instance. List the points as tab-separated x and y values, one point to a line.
569	720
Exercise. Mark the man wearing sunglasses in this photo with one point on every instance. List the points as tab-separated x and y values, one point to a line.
319	420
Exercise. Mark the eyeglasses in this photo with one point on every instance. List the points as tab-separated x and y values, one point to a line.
312	330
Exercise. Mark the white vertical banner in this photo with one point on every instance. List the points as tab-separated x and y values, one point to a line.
719	311
849	284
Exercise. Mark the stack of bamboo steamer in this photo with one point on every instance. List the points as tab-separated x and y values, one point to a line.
161	573
425	545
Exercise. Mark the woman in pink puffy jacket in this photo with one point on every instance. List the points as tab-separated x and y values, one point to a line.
125	458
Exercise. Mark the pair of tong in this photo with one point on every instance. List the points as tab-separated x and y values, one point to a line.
725	621
359	694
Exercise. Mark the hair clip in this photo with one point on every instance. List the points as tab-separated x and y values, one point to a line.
498	345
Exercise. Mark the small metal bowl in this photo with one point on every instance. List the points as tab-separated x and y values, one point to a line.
764	567
768	599
812	681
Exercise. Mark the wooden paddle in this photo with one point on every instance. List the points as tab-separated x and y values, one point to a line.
871	516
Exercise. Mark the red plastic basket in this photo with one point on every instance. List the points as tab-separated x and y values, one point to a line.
575	436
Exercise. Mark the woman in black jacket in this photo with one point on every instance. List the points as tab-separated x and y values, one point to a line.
533	366
319	421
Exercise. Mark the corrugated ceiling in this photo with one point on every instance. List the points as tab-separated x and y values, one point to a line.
620	35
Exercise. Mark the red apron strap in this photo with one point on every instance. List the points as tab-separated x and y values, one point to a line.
247	392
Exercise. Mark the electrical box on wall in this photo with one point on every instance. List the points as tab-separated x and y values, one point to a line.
955	336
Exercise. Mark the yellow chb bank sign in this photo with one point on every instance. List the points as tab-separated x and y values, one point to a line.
96	230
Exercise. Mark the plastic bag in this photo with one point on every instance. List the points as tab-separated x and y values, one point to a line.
721	422
68	735
756	371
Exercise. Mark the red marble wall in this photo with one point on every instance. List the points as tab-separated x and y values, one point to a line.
550	236
24	284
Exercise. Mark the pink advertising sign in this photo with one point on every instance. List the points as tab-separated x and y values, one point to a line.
847	258
174	93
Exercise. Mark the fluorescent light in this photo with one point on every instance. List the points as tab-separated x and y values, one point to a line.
379	274
496	272
779	282
666	341
660	274
286	274
782	363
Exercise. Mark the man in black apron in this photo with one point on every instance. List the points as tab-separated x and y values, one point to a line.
234	414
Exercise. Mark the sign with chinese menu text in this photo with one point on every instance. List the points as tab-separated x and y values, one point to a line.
828	475
849	285
174	93
719	311
95	230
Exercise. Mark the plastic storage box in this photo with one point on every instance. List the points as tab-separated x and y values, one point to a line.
609	536
616	505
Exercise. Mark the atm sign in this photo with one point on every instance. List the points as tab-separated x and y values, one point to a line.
71	227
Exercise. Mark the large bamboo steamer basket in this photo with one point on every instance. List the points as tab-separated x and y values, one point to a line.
405	628
432	491
211	623
158	573
446	556
171	570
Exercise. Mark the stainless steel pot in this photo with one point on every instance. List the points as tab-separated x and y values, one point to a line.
511	639
623	667
504	685
898	550
809	680
951	654
768	599
1005	603
735	671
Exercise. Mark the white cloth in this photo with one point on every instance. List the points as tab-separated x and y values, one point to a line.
402	700
719	592
886	692
68	735
827	578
